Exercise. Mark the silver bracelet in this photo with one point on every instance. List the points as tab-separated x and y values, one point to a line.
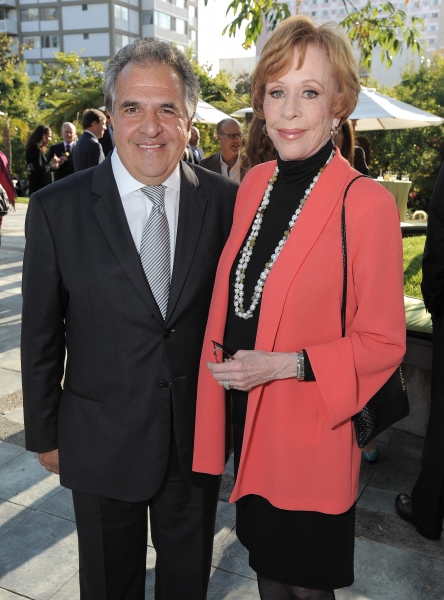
300	367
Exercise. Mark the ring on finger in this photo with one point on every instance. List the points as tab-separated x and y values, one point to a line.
226	384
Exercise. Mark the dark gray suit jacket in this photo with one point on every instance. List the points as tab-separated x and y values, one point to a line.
129	375
87	152
68	167
212	163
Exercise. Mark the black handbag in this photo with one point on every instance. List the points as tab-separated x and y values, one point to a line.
390	403
4	202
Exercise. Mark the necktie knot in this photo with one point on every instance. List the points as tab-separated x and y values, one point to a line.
156	193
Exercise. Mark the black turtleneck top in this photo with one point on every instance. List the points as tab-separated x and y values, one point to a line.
293	179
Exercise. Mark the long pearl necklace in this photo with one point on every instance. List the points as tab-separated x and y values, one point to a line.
247	250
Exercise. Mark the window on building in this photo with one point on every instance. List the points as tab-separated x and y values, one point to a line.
163	20
86	36
33	69
121	12
2	14
50	41
180	47
325	13
29	14
432	28
181	26
84	7
121	41
193	35
432	41
148	17
434	15
181	3
192	15
31	42
48	14
341	11
313	13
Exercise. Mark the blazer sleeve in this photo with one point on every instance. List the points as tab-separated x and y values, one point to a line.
432	285
92	155
43	332
350	370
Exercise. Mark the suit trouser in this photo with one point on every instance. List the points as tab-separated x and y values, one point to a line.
428	492
113	540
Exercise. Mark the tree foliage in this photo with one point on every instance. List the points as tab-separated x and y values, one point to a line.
419	151
372	26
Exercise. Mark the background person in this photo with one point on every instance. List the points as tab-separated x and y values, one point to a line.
6	181
38	167
345	141
363	142
64	148
197	151
259	147
107	140
88	152
228	161
425	507
295	381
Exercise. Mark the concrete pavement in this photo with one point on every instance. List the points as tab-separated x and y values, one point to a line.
38	546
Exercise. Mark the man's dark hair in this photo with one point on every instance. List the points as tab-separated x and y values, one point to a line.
92	115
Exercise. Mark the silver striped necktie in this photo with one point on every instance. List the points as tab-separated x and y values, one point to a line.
155	247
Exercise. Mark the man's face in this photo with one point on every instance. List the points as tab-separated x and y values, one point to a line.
150	121
69	132
108	118
194	137
99	127
230	147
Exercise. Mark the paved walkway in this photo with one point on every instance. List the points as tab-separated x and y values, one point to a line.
38	548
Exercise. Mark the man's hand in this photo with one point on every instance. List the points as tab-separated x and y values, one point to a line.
50	460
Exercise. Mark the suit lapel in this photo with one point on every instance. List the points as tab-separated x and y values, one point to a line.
112	219
192	208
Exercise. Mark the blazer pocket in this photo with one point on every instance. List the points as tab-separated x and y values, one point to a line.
81	394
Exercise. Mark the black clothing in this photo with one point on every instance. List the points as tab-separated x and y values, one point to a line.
300	548
113	534
107	142
359	161
68	167
39	169
131	375
428	492
270	589
87	152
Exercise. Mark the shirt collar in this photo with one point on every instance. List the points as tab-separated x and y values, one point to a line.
126	183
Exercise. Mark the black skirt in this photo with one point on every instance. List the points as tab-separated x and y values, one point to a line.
302	548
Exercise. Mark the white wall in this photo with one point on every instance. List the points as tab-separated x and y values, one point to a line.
96	17
98	44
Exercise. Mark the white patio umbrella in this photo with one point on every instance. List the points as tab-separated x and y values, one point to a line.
378	111
205	113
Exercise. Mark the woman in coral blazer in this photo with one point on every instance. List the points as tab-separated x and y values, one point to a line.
296	457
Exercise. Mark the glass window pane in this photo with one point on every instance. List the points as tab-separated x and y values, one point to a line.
148	17
181	26
31	42
29	14
48	14
162	20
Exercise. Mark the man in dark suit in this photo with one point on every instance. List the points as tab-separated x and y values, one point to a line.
64	148
425	507
88	152
107	141
198	153
229	160
120	275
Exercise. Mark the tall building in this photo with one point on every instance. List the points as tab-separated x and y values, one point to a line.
96	29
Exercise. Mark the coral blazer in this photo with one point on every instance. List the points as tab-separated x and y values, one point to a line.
299	449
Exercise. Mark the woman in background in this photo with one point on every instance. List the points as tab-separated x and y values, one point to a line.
39	169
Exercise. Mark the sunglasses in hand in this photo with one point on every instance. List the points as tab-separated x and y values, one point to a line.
220	354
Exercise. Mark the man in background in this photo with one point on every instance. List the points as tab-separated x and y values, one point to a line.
88	152
425	507
107	141
64	148
193	144
228	161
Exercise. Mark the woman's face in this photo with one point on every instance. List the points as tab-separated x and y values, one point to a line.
297	106
47	137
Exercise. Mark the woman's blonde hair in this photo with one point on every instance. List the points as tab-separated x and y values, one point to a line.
300	32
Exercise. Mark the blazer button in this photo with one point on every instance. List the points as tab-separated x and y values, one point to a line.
167	334
162	384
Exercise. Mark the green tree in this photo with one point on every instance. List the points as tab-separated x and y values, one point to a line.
418	151
372	26
70	85
18	102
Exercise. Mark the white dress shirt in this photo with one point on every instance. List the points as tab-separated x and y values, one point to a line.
138	207
234	173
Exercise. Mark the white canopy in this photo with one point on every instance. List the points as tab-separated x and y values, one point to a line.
205	113
378	111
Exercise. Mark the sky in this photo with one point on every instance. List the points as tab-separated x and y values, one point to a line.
212	45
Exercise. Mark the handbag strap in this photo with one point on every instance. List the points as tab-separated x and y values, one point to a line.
344	253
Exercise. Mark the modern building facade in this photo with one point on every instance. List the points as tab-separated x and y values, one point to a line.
96	29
